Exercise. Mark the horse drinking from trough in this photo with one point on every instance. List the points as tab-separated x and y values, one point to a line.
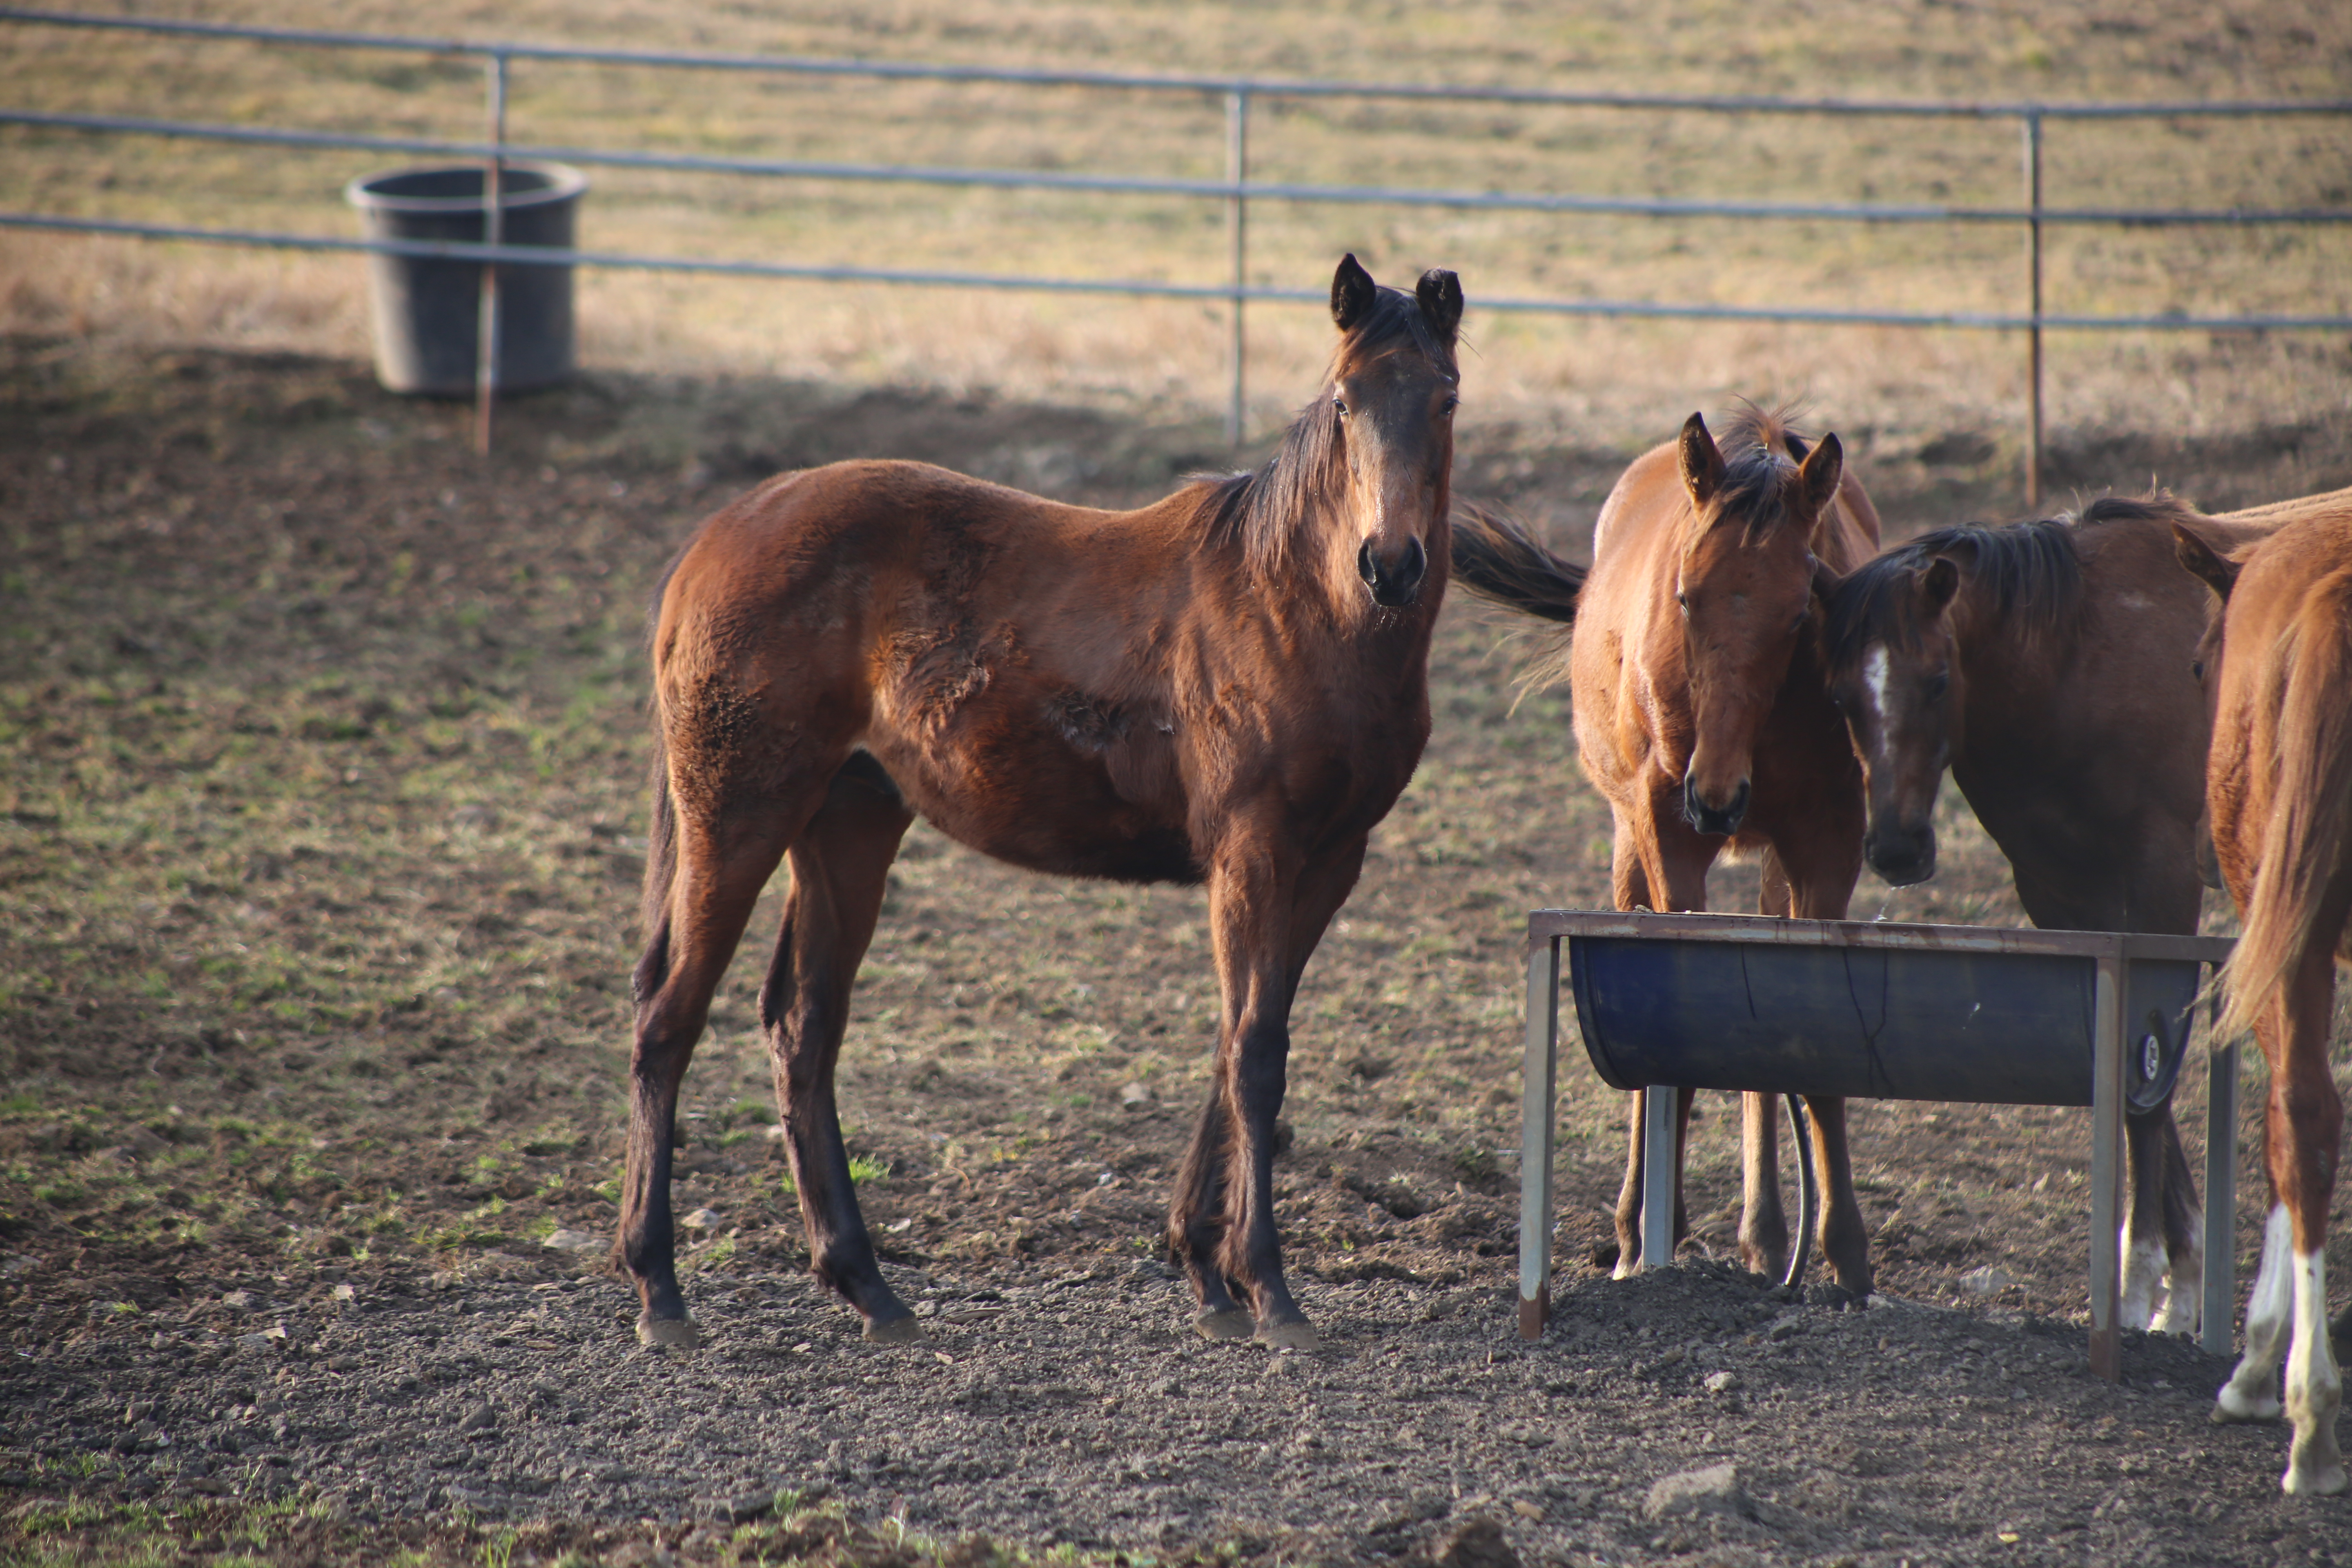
2047	664
1702	717
2277	665
1229	687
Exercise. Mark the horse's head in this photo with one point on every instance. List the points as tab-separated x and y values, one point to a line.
2219	572
1388	401
1745	588
1894	672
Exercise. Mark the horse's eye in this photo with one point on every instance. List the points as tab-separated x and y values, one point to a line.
1340	406
1450	404
1937	685
1684	600
2197	669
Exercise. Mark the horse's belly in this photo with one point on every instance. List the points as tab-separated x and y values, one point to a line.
1030	794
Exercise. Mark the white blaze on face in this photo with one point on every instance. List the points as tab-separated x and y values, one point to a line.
1874	681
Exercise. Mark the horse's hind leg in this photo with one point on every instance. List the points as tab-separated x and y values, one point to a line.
2303	1166
839	864
2163	1239
715	876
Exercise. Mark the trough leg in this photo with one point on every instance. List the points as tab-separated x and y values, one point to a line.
1538	1092
2106	1169
1661	1165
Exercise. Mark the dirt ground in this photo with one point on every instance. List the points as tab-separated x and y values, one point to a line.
321	819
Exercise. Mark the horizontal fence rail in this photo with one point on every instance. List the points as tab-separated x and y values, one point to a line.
1237	191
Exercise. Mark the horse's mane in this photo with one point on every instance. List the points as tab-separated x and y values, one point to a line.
1264	511
2030	574
1761	450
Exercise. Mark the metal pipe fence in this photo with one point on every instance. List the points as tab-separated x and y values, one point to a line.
1235	192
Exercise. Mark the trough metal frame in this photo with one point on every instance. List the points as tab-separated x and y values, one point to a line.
2110	951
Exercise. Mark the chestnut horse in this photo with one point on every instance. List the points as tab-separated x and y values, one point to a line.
2047	664
2277	665
1702	718
1229	686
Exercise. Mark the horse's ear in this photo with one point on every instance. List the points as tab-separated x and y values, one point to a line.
1818	475
2204	563
1939	580
1440	302
1353	293
1702	463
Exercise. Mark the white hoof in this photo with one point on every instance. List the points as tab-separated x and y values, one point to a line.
2321	1481
2229	1406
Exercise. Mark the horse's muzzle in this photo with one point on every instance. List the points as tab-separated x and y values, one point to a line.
1901	857
1722	819
1393	587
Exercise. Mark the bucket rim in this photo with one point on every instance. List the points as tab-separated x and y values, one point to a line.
565	183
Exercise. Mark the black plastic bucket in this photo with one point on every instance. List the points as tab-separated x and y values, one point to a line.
427	311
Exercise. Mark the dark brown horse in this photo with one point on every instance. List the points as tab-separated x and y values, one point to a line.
1702	718
2047	664
1228	687
2277	666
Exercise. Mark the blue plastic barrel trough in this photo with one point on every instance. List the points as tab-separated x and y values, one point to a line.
1871	1023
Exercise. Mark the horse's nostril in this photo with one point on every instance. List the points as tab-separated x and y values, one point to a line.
1416	563
1366	567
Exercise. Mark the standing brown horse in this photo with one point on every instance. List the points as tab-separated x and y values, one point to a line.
1702	717
1228	687
2277	665
2047	663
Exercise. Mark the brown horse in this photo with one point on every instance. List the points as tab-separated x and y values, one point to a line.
2277	665
1702	717
2047	664
1228	687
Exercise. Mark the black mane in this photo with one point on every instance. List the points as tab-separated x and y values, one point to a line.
2027	574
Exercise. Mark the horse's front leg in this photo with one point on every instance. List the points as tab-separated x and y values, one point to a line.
1821	861
1267	909
1657	853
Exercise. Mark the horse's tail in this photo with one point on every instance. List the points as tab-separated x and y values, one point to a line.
1498	560
661	831
2300	709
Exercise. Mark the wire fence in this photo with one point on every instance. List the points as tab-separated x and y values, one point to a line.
1237	191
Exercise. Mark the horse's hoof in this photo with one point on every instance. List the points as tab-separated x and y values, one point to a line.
2318	1480
906	1330
1232	1324
677	1333
1296	1335
2230	1410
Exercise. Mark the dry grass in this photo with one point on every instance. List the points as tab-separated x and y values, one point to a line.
1613	383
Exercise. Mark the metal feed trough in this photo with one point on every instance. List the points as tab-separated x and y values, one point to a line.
1871	1010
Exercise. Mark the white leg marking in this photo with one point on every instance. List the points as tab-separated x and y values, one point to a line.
2184	1285
2143	1273
2252	1392
2314	1390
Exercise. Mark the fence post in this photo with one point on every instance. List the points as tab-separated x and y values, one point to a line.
1236	237
486	345
2033	328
